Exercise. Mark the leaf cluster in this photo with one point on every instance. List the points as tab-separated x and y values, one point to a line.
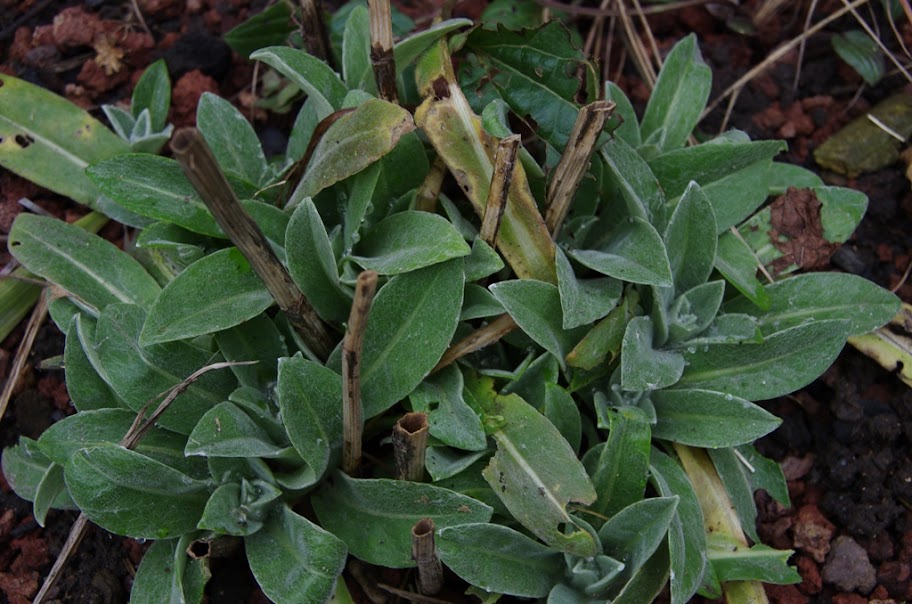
569	461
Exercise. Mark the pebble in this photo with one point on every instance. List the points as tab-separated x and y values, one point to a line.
848	568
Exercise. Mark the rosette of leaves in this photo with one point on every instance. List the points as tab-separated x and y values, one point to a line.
145	126
595	453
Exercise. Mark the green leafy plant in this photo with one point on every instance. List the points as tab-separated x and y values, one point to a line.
599	446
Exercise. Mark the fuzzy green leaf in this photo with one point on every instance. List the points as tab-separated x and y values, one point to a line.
255	340
227	431
139	373
310	399
783	363
694	311
153	92
80	262
130	494
859	50
411	323
375	517
499	559
294	560
214	293
24	465
618	468
536	474
87	389
631	177
536	308
356	49
231	138
702	418
690	239
308	73
642	366
353	142
733	562
407	241
167	576
737	263
822	296
629	131
451	419
634	533
678	98
312	264
633	252
407	50
50	489
583	301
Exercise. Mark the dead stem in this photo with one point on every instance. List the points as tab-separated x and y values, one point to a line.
573	163
203	172
39	313
313	32
410	436
501	178
429	191
424	553
478	339
381	35
352	411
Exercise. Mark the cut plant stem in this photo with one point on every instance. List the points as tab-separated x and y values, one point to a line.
382	59
504	162
430	571
429	191
410	436
478	339
575	160
352	410
218	547
202	171
313	32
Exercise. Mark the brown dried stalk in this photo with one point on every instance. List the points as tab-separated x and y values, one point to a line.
313	32
501	178
429	191
201	169
575	160
39	313
352	411
478	339
410	436
424	553
382	59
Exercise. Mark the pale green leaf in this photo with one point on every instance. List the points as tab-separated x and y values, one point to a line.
632	252
703	418
690	239
167	576
227	431
309	73
408	241
642	366
231	138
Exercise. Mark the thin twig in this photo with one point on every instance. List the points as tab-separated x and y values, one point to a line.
760	265
204	174
588	11
313	32
803	45
77	532
652	43
640	56
411	596
39	313
574	162
903	279
501	178
778	54
478	339
424	553
382	59
139	16
410	437
352	410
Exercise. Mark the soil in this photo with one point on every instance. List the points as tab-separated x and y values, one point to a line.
844	439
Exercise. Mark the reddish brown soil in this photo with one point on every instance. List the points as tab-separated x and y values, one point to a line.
844	440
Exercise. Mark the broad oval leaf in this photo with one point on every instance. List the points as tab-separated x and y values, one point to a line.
312	264
536	474
255	340
678	98
703	418
642	366
140	373
629	174
87	389
634	533
294	560
407	241
583	301
214	293
356	60
53	146
157	581
227	431
130	494
410	325
80	262
633	252
619	467
375	517
822	296
309	73
499	559
451	419
310	399
536	308
24	466
231	138
353	142
154	187
690	239
782	363
153	92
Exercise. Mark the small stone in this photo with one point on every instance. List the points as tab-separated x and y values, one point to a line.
849	599
811	582
812	532
785	594
848	567
896	577
73	27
